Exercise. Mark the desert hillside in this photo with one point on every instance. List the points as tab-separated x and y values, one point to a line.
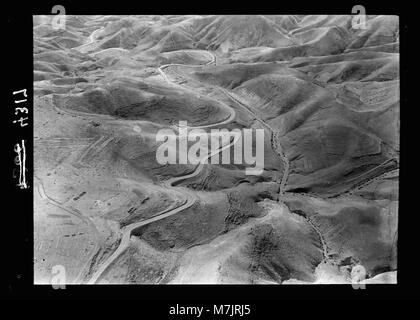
324	94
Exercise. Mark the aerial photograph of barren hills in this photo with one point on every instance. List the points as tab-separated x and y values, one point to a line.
216	149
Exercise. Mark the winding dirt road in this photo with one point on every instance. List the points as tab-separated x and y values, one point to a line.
190	197
212	60
128	230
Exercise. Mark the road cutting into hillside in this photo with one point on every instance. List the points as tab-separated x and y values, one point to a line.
190	200
190	197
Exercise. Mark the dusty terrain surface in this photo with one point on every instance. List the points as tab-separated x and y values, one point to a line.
326	95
